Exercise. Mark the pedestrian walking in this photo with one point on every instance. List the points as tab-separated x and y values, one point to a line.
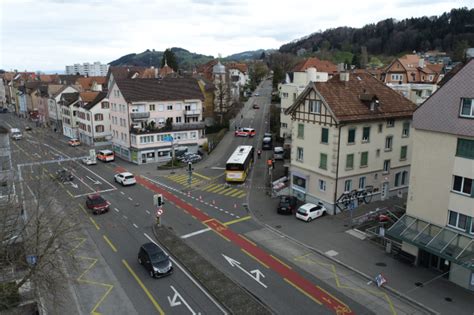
259	153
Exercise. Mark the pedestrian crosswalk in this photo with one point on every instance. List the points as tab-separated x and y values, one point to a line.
197	182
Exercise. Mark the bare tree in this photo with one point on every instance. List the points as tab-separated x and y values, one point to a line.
36	230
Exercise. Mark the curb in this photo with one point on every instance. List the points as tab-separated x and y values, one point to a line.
362	274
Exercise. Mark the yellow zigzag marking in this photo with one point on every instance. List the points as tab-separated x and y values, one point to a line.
306	259
83	280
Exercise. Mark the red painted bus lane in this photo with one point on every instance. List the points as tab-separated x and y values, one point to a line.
293	278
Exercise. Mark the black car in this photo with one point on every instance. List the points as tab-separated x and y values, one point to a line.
287	204
155	260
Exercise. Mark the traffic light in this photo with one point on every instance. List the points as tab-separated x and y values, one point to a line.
158	200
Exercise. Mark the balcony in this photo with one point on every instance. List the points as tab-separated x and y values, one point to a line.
138	116
190	113
162	128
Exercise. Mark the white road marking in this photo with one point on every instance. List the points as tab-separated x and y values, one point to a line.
130	198
195	233
125	217
192	279
122	193
116	209
147	211
136	226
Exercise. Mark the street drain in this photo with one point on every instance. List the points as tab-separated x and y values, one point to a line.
448	299
278	226
381	264
419	284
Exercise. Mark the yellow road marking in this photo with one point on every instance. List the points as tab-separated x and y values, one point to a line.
240	195
302	291
245	238
69	193
202	176
214	189
219	190
95	224
208	220
152	299
110	243
231	191
237	220
335	298
280	261
83	209
258	260
208	187
235	193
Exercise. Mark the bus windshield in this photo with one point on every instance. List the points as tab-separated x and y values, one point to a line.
234	167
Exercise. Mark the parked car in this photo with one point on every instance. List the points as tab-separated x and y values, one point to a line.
125	178
278	153
27	128
255	106
256	94
287	204
16	134
4	110
97	204
267	143
310	211
74	142
155	260
89	160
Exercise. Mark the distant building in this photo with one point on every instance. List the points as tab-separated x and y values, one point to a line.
6	168
89	69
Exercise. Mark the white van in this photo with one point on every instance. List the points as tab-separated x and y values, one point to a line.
16	133
278	153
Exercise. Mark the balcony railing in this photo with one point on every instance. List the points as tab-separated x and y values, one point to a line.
144	115
195	112
161	129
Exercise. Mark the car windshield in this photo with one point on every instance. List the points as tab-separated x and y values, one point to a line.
302	211
284	202
129	177
158	256
97	200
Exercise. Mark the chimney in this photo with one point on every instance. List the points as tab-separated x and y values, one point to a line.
344	76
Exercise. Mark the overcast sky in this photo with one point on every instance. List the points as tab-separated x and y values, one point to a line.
49	34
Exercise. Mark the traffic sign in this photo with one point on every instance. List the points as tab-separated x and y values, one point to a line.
159	212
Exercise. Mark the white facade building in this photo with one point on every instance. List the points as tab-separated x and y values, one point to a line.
93	119
89	69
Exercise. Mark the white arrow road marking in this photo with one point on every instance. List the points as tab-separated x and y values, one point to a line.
258	273
96	182
74	185
177	299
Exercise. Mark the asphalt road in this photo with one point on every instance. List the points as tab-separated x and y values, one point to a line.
208	215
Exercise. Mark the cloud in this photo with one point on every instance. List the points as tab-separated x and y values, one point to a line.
49	34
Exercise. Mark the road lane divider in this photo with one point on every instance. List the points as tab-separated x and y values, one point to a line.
237	220
140	283
297	280
110	243
95	224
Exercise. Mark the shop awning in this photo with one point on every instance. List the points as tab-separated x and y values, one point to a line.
455	246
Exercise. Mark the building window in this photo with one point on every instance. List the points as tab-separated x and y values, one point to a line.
284	95
160	108
348	185
457	220
390	122
351	136
404	178
98	117
105	105
377	153
152	107
386	166
299	181
323	161
406	129
467	107
366	134
322	185
88	128
299	154
315	106
380	128
388	143
300	131
462	185
169	107
403	152
325	135
349	161
397	179
178	119
465	148
99	128
284	125
362	182
397	77
364	159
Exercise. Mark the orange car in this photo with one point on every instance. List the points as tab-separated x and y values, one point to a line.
74	142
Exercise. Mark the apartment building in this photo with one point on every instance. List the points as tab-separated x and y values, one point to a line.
149	117
88	69
438	228
93	117
351	133
306	71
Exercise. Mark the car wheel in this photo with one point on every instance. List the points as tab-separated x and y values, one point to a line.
123	184
309	220
139	261
152	274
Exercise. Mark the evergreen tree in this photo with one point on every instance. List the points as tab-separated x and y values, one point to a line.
170	58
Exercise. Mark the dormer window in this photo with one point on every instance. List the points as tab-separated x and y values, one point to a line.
467	108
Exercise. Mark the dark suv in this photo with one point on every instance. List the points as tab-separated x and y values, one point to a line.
287	205
155	260
97	204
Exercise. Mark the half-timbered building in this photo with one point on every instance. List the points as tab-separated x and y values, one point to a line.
350	137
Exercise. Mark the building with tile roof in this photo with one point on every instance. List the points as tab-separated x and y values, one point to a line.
93	117
438	227
95	84
147	113
349	134
54	105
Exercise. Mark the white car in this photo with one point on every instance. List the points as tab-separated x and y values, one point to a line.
125	179
310	211
89	161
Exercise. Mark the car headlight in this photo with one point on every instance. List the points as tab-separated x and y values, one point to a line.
155	269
